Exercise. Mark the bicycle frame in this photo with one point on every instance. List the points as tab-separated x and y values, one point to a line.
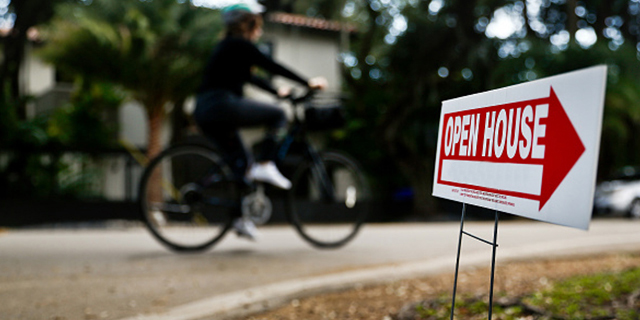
297	131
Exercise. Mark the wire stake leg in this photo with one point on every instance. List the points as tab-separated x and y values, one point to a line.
455	279
494	246
493	265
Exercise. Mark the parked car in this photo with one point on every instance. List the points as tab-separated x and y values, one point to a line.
620	194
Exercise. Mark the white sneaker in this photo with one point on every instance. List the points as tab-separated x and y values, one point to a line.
269	173
158	216
245	229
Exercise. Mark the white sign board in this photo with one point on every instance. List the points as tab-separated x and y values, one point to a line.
529	149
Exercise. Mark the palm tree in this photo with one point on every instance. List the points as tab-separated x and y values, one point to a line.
154	49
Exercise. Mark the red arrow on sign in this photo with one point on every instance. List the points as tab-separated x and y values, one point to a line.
534	132
565	148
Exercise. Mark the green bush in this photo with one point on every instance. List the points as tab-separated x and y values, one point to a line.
32	161
87	121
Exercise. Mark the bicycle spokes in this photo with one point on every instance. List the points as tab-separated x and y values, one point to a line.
328	203
187	198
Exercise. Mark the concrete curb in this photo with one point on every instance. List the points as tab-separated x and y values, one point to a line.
245	302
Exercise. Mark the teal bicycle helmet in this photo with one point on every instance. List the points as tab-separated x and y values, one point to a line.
234	13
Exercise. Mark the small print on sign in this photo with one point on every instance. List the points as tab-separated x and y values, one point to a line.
529	149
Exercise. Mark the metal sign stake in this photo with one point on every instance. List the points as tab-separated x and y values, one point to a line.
494	244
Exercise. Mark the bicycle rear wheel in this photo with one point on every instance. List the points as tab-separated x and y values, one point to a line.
187	196
328	203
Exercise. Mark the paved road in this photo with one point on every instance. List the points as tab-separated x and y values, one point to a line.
119	273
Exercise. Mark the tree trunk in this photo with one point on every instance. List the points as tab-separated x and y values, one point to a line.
28	13
572	19
416	168
155	116
156	119
419	172
9	70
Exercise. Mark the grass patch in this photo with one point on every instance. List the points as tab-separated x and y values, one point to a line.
600	296
605	295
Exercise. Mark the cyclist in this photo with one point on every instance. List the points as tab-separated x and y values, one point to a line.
221	108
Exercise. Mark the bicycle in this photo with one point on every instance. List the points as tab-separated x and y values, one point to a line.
189	196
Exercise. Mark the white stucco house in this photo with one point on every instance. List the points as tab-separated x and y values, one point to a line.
309	46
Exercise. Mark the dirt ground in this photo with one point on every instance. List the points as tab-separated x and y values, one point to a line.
383	302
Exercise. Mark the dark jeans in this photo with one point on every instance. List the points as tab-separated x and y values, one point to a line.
220	114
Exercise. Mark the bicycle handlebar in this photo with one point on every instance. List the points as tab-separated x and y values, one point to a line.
301	98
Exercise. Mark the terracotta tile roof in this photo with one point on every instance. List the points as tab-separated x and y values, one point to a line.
297	20
308	22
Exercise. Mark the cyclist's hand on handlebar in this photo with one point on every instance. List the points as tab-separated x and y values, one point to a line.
318	83
284	92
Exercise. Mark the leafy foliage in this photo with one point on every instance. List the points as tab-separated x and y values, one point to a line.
154	49
34	165
448	50
88	122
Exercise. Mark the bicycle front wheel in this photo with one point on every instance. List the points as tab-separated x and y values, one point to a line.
329	201
187	196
